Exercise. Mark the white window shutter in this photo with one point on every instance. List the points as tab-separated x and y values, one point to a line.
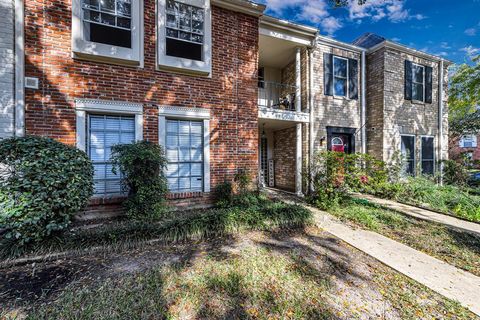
474	141
460	143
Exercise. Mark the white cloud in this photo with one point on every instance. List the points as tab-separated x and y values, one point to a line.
393	10
330	25
471	32
445	45
316	11
471	51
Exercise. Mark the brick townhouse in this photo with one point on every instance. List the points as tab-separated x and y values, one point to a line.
465	147
220	85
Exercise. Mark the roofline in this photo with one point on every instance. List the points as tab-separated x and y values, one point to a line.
340	44
247	7
403	48
270	21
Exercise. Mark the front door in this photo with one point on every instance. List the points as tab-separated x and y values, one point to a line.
340	142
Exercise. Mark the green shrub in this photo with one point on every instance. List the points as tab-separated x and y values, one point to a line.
142	165
455	173
43	183
242	180
336	174
223	194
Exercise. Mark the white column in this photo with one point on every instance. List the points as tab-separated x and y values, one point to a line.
298	161
298	81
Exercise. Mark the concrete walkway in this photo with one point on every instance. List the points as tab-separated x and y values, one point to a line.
423	214
437	275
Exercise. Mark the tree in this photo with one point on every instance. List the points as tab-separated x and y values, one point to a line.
464	99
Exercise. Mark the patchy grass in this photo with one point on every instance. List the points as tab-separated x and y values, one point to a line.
259	213
255	283
457	248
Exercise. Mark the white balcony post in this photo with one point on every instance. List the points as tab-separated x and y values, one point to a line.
298	161
298	81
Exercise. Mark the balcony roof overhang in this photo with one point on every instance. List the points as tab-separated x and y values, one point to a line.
247	7
278	40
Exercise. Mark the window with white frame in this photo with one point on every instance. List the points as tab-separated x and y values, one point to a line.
107	29
340	76
418	82
184	149
428	156
105	131
108	22
184	31
468	141
408	154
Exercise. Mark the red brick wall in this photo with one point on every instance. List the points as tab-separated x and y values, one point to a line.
284	150
455	152
231	92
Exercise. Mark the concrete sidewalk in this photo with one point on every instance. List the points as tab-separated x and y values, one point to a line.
459	224
437	275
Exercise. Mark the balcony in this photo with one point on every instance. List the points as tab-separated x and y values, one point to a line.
275	95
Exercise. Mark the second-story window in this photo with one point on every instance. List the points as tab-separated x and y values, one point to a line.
184	30
108	22
185	36
418	82
340	76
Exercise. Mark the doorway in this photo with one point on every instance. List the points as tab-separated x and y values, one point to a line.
341	139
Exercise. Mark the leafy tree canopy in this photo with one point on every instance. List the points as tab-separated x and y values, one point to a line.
464	99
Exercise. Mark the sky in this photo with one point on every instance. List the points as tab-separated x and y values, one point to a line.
447	28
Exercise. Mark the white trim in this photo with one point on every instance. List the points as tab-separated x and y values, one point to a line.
286	115
84	106
293	27
363	106
311	94
338	44
246	7
280	34
19	69
84	49
185	113
298	80
440	119
298	160
183	65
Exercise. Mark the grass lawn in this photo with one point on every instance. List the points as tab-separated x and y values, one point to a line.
457	248
303	274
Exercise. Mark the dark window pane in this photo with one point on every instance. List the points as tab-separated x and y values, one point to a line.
340	67
172	5
197	14
92	4
417	91
108	35
197	26
427	167
340	87
108	19
184	35
172	33
427	148
124	8
107	5
171	21
182	49
91	16
418	74
408	153
124	22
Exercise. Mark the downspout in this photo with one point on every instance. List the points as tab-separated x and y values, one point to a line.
19	118
363	105
312	118
440	121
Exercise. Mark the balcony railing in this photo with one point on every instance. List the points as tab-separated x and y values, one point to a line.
276	95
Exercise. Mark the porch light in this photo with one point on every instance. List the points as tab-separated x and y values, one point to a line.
322	141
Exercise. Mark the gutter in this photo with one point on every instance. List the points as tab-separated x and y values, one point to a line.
19	118
312	117
363	106
440	118
247	7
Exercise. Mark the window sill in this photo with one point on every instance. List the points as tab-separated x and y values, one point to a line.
95	57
